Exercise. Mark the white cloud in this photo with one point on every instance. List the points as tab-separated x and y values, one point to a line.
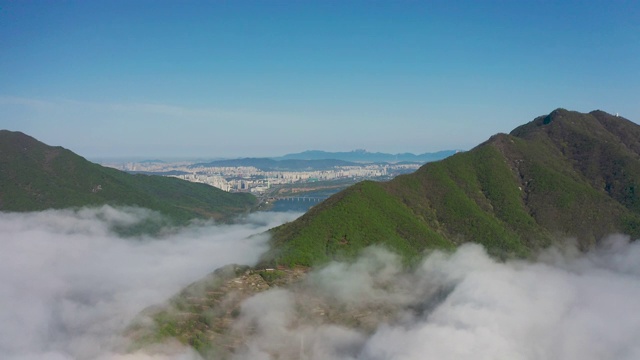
569	308
465	305
69	285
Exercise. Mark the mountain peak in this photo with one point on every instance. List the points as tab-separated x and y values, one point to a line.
565	174
560	122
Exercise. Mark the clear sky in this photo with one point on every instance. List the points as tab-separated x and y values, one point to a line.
265	78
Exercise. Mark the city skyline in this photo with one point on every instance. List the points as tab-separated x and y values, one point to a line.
259	79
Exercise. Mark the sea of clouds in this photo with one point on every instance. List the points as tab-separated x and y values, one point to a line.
465	305
69	285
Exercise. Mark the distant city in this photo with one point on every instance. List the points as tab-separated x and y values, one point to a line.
258	181
291	173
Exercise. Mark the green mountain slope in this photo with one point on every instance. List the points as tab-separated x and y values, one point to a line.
35	176
563	175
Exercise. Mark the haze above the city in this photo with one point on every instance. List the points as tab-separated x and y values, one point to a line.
232	79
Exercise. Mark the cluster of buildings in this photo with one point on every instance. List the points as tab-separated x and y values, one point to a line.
252	179
258	181
215	181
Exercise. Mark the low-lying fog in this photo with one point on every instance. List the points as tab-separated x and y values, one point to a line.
69	285
465	305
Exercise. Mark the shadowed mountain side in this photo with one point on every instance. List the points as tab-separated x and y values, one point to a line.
563	175
35	176
603	148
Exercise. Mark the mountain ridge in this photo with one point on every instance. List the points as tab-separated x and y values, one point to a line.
35	176
561	175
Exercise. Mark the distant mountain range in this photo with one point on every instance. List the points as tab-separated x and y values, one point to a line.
323	160
566	174
266	164
361	156
35	176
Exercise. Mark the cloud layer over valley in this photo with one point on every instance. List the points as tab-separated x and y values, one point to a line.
567	305
69	285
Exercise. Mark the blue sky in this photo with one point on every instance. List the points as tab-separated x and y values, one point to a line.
265	78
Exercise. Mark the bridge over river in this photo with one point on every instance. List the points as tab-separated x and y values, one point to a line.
315	199
298	201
